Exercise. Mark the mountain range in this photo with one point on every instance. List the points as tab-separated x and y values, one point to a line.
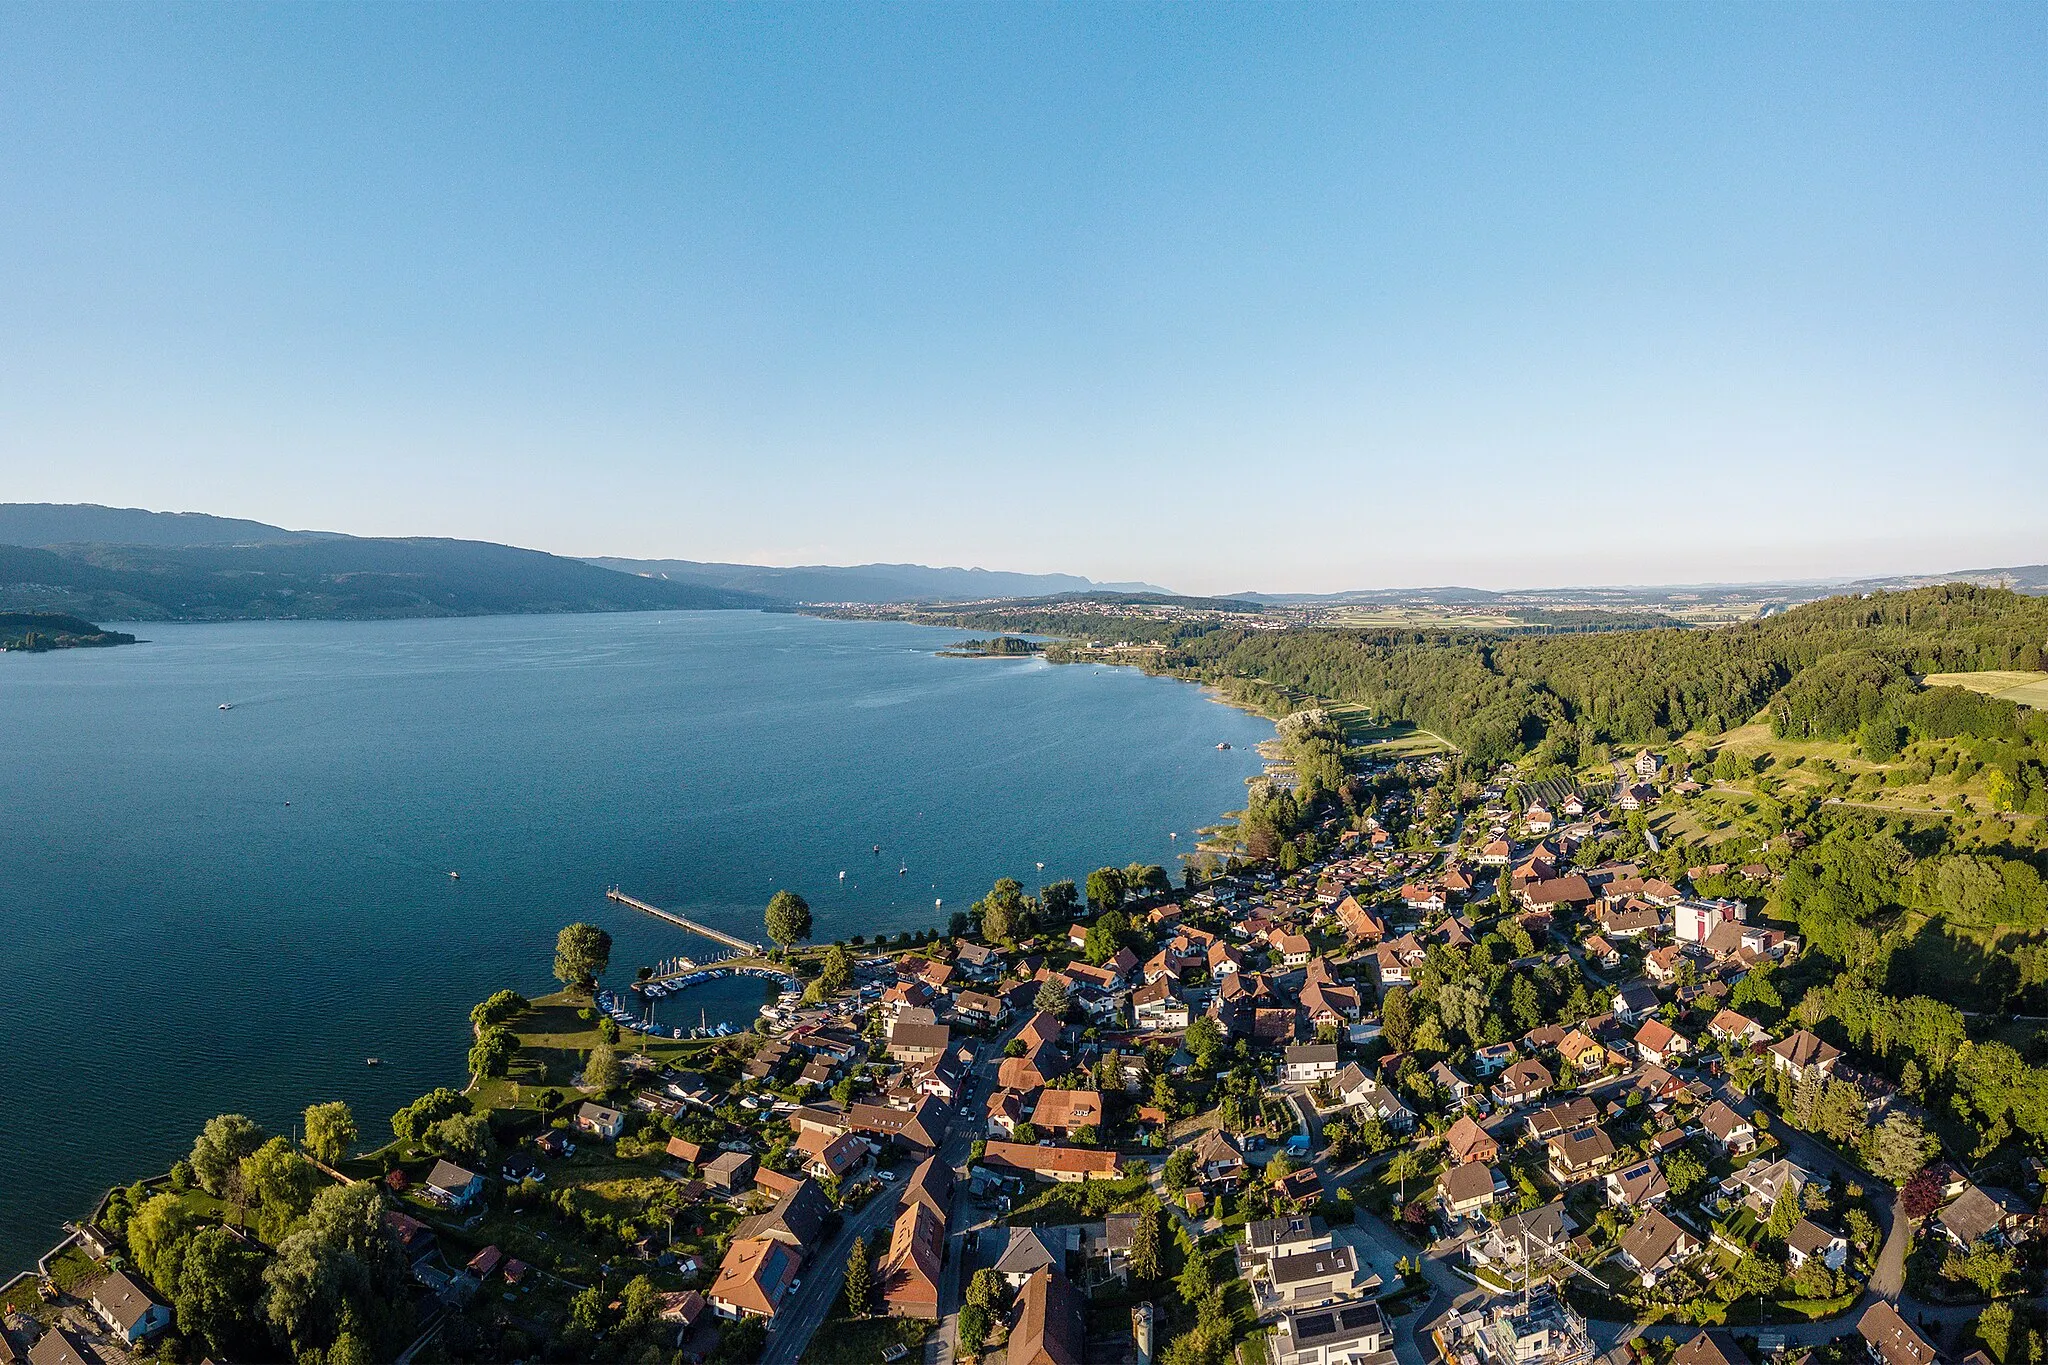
868	583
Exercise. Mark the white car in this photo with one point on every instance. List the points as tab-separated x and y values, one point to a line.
889	1176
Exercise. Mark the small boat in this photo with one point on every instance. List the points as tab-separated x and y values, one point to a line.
373	1061
842	876
452	876
903	871
226	707
1223	746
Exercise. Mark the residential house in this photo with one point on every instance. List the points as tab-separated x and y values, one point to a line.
1891	1340
754	1278
1062	1113
1423	900
1310	1063
1804	1056
980	1011
1563	1117
1313	1277
1731	1133
1542	1230
1658	1043
58	1346
1808	1240
1349	1333
1647	763
919	1044
1538	819
1579	1154
1634	1003
1156	1008
1629	919
918	1130
1656	1245
451	1185
1979	1215
1269	1239
1224	959
1360	924
1524	1082
1454	1088
1328	1004
1550	892
600	1121
1049	1328
1664	965
831	1158
1294	949
1488	1061
128	1309
795	1220
1030	1250
909	1274
1759	1183
1467	1141
1715	1347
1737	1028
978	962
1466	1188
1218	1159
1063	1165
1355	1088
1581	1053
731	1172
1639	1186
682	1149
1600	952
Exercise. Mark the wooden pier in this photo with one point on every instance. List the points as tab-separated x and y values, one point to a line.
685	922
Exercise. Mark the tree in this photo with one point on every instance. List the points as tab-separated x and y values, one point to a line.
1105	888
1898	1147
788	918
582	952
1052	997
836	973
972	1329
1397	1019
601	1070
157	1234
860	1280
492	1051
1106	936
218	1151
501	1008
1180	1169
1921	1195
330	1131
1784	1212
1683	1173
1144	1260
987	1291
1205	1042
1405	1165
282	1183
465	1137
1059	899
217	1286
1005	917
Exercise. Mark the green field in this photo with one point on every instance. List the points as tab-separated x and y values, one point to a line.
1397	740
2028	689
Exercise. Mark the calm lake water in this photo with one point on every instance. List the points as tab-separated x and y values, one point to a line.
207	910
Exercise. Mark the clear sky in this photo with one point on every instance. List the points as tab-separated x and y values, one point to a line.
1286	297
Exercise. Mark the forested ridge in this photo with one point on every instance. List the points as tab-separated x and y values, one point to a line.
1497	696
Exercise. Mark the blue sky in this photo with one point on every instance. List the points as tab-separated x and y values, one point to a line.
1224	297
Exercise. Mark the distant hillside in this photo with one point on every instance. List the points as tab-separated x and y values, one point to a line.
873	583
331	577
52	523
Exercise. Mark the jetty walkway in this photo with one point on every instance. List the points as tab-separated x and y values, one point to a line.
685	922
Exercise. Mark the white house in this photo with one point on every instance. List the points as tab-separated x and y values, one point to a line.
1309	1063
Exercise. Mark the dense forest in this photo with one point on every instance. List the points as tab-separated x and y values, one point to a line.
36	632
1497	696
338	577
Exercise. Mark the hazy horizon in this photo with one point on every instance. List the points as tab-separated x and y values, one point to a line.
1309	299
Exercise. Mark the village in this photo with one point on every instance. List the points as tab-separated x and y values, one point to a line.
1453	1091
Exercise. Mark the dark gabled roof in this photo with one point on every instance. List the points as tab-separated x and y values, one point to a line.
1029	1250
122	1297
1270	1232
931	1184
1892	1337
1711	1348
796	1219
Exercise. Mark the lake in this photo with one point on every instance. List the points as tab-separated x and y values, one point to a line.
212	910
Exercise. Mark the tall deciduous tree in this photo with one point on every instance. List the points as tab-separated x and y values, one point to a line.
1105	888
330	1131
218	1151
601	1070
788	918
582	952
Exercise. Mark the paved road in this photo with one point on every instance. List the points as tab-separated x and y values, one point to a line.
964	1217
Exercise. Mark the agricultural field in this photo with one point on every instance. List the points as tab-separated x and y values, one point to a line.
2028	689
1376	741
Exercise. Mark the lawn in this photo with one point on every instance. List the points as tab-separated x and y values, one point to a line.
860	1341
1079	1203
2028	689
554	1039
1398	740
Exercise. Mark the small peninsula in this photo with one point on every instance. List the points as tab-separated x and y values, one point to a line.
39	632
